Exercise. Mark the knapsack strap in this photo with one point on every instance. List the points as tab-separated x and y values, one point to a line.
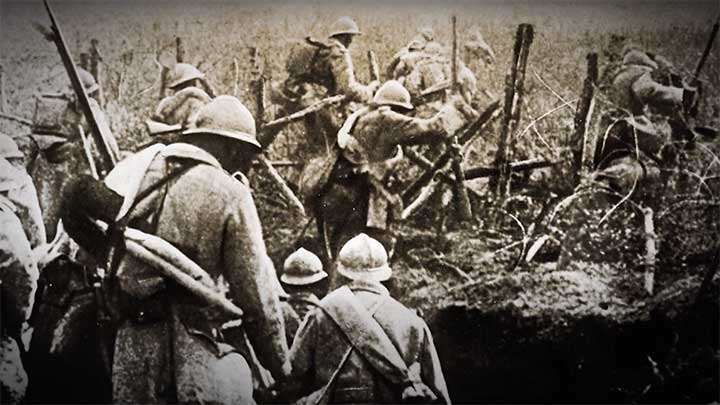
318	396
366	335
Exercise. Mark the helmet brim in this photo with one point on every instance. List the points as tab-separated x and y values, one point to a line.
334	34
394	103
177	83
377	274
237	135
290	279
159	128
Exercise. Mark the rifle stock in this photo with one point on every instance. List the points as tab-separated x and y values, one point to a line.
107	157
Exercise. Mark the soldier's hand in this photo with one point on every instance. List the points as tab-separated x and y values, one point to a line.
463	107
451	118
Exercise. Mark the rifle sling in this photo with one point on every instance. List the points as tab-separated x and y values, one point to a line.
116	229
366	335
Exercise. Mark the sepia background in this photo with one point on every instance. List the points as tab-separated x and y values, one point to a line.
508	327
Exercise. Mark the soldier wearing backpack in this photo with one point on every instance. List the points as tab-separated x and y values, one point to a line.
319	69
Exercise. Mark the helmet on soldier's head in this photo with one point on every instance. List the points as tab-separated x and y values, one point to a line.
176	112
8	147
640	59
344	25
302	268
88	81
393	93
630	47
427	34
225	116
183	73
363	258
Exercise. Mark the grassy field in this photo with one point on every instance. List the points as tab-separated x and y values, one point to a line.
218	36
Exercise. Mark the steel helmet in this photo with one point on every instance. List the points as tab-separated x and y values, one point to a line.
302	268
8	147
629	47
639	58
183	73
393	93
344	25
88	81
363	258
225	116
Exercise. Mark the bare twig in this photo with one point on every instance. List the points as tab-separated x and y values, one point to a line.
547	86
622	200
17	119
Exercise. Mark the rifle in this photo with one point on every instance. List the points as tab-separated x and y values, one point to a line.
703	59
708	48
99	134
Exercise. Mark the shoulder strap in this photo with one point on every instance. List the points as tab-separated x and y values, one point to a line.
366	335
318	396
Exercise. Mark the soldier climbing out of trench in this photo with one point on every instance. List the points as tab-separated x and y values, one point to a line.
316	70
355	192
650	116
424	68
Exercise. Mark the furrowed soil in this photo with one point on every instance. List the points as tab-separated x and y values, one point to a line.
507	329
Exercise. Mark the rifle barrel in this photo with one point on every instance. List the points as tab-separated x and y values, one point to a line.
107	158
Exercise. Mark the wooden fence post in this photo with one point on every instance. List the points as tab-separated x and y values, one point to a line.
578	142
179	50
3	105
514	91
462	200
95	68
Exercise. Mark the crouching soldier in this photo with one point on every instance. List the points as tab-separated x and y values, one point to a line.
169	344
174	112
363	346
649	119
302	278
358	195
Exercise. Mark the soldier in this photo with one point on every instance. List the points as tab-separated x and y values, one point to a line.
168	345
302	278
20	190
477	50
357	196
18	282
21	230
649	118
56	132
363	346
316	70
175	111
423	65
